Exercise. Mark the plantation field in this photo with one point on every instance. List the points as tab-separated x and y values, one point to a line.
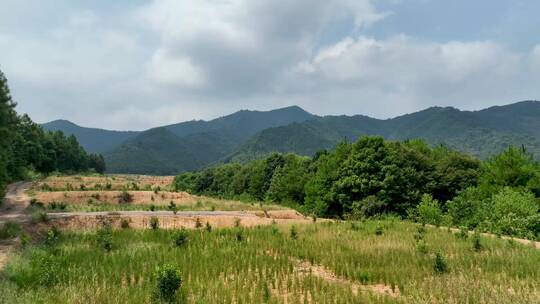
330	262
104	182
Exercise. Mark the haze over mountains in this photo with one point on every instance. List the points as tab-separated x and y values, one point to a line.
246	135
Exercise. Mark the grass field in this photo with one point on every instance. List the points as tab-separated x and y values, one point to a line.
369	262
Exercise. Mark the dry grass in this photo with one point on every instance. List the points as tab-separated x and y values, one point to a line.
116	182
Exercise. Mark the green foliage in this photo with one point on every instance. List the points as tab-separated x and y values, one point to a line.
294	233
429	211
477	242
104	237
440	266
154	223
514	212
168	282
125	198
25	148
10	230
180	237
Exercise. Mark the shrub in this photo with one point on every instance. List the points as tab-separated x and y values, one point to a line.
208	227
152	208
513	212
10	230
237	222
477	242
422	247
198	223
154	223
239	235
168	282
368	207
172	207
40	217
180	237
125	197
463	233
440	265
429	211
379	230
52	237
104	237
294	233
124	223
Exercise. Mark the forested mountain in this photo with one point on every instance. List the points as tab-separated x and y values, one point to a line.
93	140
247	135
27	149
195	144
480	133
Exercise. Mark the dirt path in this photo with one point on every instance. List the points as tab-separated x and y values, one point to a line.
15	202
12	209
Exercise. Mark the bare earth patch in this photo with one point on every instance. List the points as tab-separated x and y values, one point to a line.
306	268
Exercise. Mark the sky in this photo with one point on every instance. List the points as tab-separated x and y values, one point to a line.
134	64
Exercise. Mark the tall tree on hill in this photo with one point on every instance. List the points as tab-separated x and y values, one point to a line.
8	121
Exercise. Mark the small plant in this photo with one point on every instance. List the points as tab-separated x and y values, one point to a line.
237	222
104	237
168	282
422	247
154	223
463	233
198	223
379	230
52	237
40	217
10	230
239	235
125	197
173	208
440	265
477	242
294	233
213	208
180	237
124	223
152	208
208	227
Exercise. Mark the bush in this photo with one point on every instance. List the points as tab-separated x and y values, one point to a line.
208	227
180	237
198	223
104	237
152	208
40	217
154	223
379	230
369	207
172	207
125	197
513	213
168	282
294	233
422	247
477	242
124	223
440	265
52	238
10	230
429	211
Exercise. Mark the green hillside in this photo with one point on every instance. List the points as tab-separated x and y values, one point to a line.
480	133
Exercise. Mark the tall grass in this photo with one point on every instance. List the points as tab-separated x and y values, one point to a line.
260	267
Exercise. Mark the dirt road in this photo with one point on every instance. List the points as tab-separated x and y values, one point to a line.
15	202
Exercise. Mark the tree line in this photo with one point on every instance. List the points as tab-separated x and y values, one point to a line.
27	149
373	177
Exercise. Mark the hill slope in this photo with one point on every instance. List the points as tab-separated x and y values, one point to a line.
93	140
195	144
481	133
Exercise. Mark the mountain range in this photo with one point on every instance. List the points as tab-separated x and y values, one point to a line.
247	135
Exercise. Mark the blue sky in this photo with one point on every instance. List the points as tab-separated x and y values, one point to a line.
138	64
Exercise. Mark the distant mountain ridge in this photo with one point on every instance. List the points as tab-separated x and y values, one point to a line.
247	135
92	139
480	133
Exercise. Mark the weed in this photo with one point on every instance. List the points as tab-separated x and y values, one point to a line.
124	223
154	223
10	230
180	237
440	265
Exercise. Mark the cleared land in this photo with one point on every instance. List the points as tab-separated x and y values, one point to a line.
323	263
256	257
